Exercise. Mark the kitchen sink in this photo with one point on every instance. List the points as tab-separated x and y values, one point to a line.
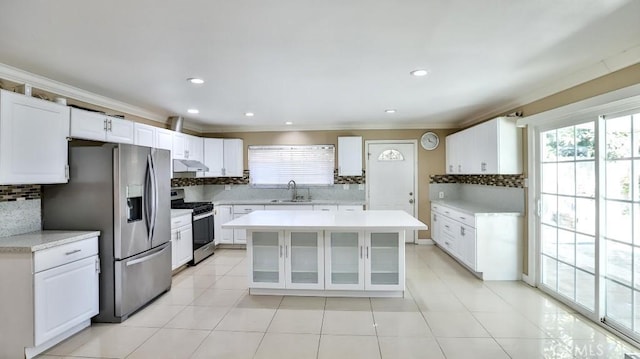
290	201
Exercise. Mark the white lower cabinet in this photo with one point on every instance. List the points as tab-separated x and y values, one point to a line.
488	244
286	259
304	260
364	260
181	241
265	250
64	297
222	214
344	265
326	260
239	210
47	296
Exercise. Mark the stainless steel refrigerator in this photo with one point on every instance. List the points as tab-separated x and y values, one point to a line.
122	191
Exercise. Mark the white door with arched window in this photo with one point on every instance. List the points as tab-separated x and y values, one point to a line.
391	177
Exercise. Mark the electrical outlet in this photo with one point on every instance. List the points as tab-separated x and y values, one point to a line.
227	187
441	194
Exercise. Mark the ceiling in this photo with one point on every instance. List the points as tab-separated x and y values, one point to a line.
321	64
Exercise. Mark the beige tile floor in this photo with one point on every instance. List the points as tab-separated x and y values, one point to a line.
446	313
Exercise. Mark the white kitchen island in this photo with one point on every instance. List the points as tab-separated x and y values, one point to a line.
337	254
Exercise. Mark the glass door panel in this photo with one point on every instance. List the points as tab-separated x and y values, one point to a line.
345	251
384	259
266	253
305	256
568	213
621	214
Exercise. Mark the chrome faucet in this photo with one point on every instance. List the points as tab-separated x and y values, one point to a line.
295	190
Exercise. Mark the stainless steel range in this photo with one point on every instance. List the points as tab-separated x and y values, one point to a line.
203	229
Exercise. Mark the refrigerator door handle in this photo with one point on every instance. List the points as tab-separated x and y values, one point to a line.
154	196
147	198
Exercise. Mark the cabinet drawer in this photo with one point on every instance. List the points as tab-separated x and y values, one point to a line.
350	207
466	218
66	253
178	222
325	207
448	226
244	209
462	217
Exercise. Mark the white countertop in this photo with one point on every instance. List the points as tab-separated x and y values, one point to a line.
476	208
180	212
39	240
365	220
269	202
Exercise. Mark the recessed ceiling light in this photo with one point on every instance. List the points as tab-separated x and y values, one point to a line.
419	73
288	123
196	80
390	110
193	110
249	114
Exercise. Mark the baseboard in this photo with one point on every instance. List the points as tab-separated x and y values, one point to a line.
528	280
425	241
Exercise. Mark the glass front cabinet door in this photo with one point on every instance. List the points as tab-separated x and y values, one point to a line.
304	260
384	261
265	250
344	262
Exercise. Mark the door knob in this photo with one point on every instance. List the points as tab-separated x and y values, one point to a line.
411	200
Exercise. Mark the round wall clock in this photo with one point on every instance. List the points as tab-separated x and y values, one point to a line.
429	141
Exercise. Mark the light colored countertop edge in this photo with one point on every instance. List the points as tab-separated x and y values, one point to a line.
180	212
268	202
332	220
476	208
39	240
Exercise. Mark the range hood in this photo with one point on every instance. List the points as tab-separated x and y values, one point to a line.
189	166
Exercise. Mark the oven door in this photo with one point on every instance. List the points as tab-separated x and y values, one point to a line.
202	230
203	245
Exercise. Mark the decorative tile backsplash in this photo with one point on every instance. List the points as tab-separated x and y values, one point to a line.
194	181
9	193
348	179
516	181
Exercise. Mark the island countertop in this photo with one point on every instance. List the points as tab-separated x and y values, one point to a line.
330	220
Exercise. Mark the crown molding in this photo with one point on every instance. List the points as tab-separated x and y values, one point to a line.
40	82
364	126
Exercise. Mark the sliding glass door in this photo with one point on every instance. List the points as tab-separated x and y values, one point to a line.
621	229
589	217
568	213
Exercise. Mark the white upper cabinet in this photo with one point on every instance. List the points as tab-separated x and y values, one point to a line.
144	135
350	156
33	140
119	130
151	136
213	157
224	157
492	147
164	139
194	148
179	146
187	147
97	126
233	157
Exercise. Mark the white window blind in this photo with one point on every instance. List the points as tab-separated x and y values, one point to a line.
275	166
